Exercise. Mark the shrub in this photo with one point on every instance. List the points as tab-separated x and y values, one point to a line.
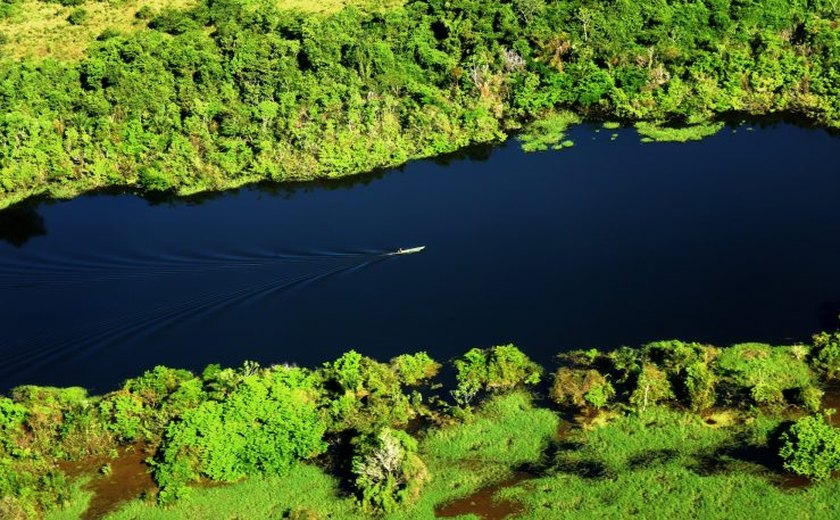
387	471
825	354
414	369
688	367
577	388
77	16
699	384
144	13
262	427
811	447
62	422
173	21
498	369
364	394
652	386
764	373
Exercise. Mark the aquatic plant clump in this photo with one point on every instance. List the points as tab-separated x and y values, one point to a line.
663	133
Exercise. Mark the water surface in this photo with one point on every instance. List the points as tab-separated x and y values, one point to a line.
609	243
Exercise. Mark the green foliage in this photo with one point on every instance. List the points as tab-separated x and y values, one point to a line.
580	388
231	423
414	369
388	473
689	368
811	447
363	394
497	370
658	132
652	386
271	94
263	426
77	16
62	422
144	13
825	354
765	372
548	132
146	404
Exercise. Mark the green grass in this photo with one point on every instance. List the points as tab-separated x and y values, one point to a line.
506	432
305	486
76	505
656	466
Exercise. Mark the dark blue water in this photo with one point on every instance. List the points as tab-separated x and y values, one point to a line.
609	243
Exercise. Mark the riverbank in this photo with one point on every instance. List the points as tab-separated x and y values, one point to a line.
223	94
724	430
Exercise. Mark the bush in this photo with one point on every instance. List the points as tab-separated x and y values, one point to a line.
387	471
825	354
265	425
498	369
652	386
144	13
765	373
689	368
62	422
576	388
811	447
77	16
414	369
364	394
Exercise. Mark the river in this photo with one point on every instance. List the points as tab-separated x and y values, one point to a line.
612	242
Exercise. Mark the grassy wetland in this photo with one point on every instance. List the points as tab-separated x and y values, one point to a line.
695	429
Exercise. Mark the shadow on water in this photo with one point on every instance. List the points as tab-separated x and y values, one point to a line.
21	223
828	315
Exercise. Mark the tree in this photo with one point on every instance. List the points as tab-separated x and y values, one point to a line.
388	472
498	369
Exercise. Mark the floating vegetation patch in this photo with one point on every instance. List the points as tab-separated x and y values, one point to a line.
658	132
548	132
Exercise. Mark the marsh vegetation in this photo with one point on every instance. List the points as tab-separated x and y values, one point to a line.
671	419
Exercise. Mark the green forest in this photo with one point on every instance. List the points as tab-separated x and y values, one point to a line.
219	93
668	429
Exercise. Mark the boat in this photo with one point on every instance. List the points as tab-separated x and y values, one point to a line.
407	251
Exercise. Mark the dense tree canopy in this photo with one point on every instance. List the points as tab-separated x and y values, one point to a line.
233	91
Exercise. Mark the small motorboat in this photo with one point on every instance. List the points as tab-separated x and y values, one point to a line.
408	251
